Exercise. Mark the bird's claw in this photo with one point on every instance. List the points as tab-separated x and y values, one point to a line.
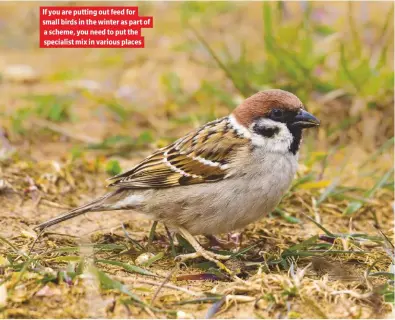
202	253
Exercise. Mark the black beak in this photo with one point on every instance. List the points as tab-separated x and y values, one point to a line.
305	120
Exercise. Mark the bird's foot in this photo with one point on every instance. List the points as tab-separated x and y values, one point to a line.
208	255
233	243
236	238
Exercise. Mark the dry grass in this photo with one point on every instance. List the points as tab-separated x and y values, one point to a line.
327	251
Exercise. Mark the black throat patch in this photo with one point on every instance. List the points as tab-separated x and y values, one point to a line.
297	137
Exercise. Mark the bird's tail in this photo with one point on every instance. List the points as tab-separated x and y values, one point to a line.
95	205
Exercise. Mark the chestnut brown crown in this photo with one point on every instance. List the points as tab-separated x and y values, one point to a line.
261	104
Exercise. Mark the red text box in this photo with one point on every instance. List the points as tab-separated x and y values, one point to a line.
92	27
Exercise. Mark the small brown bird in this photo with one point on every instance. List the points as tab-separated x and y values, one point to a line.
218	178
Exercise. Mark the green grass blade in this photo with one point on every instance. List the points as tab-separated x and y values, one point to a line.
157	257
127	267
66	259
220	63
107	283
267	25
287	217
386	145
354	206
303	245
328	191
380	183
17	251
320	226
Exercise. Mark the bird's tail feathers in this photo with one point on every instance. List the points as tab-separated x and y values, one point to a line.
95	205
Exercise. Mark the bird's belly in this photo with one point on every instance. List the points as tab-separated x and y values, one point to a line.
226	205
245	205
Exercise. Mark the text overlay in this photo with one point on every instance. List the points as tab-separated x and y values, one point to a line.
92	27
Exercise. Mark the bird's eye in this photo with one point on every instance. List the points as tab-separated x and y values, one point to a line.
277	113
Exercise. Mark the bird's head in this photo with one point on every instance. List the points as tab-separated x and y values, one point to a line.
274	119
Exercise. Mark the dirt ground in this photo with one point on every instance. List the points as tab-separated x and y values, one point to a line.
315	257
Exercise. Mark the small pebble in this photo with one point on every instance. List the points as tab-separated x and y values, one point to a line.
143	258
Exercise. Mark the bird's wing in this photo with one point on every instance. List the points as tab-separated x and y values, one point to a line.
204	155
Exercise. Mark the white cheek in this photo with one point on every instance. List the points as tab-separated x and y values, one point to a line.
243	131
279	143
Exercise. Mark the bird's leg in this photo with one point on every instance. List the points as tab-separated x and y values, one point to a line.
236	238
201	252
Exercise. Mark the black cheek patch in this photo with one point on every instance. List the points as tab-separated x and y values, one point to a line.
266	132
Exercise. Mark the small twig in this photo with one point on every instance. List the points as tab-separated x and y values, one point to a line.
170	286
54	204
150	313
353	294
35	241
138	245
215	308
61	234
163	283
386	240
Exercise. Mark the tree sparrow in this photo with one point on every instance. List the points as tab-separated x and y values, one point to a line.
220	177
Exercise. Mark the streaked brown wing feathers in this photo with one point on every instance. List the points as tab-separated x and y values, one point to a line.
201	156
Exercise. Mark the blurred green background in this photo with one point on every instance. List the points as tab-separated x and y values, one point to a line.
201	59
112	107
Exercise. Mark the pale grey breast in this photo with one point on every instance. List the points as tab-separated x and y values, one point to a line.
223	206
